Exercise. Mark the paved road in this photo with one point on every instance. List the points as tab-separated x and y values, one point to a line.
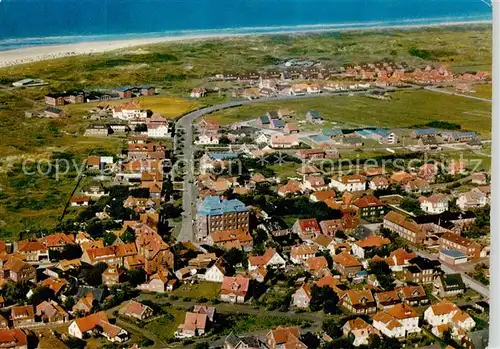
186	123
470	282
439	90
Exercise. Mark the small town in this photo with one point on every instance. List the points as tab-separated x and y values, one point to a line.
262	233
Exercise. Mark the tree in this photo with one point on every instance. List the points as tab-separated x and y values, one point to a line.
71	251
447	336
374	341
411	205
145	342
383	273
202	345
331	328
235	256
139	192
109	238
128	236
16	292
41	294
323	299
136	276
224	140
68	303
389	343
93	275
141	128
310	340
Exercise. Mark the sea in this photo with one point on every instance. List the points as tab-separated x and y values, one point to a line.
25	23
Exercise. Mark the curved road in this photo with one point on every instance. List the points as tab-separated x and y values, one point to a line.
186	123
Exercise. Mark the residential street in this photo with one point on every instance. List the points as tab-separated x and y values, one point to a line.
470	282
186	123
440	90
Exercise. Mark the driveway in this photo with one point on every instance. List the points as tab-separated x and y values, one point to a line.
449	269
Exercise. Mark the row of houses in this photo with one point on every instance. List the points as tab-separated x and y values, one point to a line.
57	99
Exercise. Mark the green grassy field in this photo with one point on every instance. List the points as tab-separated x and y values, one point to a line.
483	91
167	106
165	326
285	170
203	289
406	108
176	68
179	66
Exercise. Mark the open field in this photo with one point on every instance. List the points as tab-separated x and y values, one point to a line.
407	108
179	66
169	107
203	289
165	326
482	91
175	68
285	170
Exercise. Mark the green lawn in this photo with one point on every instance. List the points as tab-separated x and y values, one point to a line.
176	68
165	326
179	66
483	91
167	106
407	108
285	170
203	289
243	323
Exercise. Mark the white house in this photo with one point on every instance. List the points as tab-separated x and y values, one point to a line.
284	141
472	199
198	92
374	241
158	131
84	326
349	183
379	183
361	330
215	273
78	201
262	139
129	111
314	183
301	253
434	204
302	297
313	89
271	258
208	139
447	313
398	321
389	326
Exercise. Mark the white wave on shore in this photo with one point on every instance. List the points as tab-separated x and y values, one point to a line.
44	51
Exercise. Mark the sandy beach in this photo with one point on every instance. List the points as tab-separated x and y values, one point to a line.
40	53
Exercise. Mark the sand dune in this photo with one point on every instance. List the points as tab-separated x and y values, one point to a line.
40	53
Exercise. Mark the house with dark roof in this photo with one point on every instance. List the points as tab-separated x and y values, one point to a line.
448	285
215	214
22	316
136	310
422	270
423	132
243	342
235	289
314	117
285	337
369	206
